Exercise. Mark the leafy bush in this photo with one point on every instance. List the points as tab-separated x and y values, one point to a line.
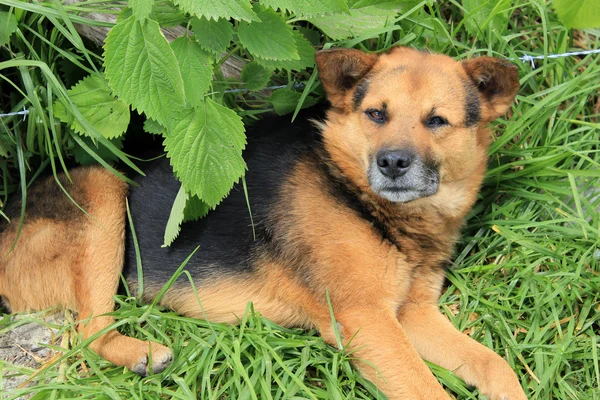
179	87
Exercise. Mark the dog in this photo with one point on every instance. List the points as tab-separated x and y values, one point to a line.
364	206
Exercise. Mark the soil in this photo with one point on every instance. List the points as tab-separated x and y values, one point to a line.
26	346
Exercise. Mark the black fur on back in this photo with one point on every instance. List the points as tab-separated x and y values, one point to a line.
46	200
224	236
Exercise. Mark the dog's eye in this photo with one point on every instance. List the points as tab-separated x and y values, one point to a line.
436	122
376	115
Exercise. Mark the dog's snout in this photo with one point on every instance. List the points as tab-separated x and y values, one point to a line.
394	163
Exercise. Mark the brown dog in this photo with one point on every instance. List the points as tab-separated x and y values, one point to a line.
367	208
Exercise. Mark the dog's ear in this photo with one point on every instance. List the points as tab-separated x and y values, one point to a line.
340	69
497	82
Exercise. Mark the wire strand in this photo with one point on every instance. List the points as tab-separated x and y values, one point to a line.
531	59
299	85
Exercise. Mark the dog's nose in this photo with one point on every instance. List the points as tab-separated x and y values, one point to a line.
394	163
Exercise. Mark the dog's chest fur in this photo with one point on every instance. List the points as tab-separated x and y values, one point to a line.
325	229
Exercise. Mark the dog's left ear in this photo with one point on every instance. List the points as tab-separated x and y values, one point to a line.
340	69
497	82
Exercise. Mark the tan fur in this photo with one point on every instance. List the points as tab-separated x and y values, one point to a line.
23	282
77	266
272	292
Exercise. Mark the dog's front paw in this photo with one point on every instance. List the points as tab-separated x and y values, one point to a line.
160	360
502	382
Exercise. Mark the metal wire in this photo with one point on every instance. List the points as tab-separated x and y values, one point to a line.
299	85
531	59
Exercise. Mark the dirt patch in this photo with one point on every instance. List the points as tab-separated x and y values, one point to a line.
24	348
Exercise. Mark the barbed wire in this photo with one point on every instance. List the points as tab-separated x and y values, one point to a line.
531	59
24	113
299	85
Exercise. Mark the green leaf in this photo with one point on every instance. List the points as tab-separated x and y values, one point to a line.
255	76
166	14
153	127
342	26
213	35
141	8
93	98
84	158
306	55
195	67
142	69
8	25
579	14
284	101
270	38
211	9
205	147
194	209
175	217
185	208
312	35
482	15
307	7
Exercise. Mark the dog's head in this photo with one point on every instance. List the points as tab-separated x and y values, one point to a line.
408	125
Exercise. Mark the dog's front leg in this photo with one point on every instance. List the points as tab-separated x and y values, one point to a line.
383	354
438	341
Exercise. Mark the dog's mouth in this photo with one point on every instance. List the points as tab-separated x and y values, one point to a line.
404	195
420	181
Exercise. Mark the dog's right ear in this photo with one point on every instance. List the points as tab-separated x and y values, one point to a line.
496	80
340	69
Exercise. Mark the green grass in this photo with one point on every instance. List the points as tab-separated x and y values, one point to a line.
526	279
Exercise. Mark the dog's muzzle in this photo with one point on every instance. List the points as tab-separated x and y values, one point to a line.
401	176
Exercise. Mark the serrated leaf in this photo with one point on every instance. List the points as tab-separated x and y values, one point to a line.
166	14
195	67
194	209
211	9
284	101
478	15
213	35
8	25
313	36
185	208
141	8
579	14
153	127
342	26
307	7
255	76
84	158
93	98
141	68
306	55
123	15
205	148
270	38
175	217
